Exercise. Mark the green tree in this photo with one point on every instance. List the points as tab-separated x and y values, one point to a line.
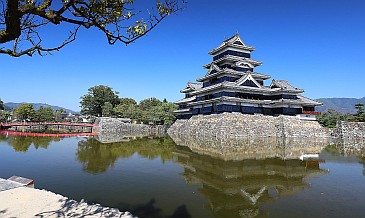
25	112
360	108
330	118
23	23
157	112
1	105
45	114
148	103
4	116
168	110
58	115
360	115
97	96
128	108
107	109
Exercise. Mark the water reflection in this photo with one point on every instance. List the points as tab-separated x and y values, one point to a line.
349	147
23	143
233	177
97	157
237	188
252	148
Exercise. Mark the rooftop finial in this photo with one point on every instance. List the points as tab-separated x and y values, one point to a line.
237	33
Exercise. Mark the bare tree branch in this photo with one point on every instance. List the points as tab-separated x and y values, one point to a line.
21	20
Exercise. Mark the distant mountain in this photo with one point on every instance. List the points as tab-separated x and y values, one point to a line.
343	105
11	105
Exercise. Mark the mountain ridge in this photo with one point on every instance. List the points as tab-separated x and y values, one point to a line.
342	105
12	105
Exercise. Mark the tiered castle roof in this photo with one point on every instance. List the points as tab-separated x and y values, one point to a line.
231	79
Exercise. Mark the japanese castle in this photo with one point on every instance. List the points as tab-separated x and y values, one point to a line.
232	85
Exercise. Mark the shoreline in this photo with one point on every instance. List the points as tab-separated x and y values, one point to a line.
29	202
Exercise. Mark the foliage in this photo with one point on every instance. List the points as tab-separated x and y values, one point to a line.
107	109
23	22
330	118
127	101
58	115
92	103
360	108
4	116
148	103
150	110
1	105
103	101
44	114
128	110
25	112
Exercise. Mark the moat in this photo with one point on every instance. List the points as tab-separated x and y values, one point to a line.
154	177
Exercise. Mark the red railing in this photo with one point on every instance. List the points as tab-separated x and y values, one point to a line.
80	134
311	112
47	123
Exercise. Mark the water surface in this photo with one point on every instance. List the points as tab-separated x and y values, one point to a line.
157	178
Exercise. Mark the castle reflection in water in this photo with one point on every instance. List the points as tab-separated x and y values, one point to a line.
238	175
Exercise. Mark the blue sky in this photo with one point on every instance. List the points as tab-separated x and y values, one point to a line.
317	45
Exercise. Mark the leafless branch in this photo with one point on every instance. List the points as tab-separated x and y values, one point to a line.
20	21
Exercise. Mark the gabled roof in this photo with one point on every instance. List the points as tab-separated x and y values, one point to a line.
213	67
235	41
248	76
308	101
234	73
284	85
191	87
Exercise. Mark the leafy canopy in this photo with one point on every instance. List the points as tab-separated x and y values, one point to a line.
93	102
25	112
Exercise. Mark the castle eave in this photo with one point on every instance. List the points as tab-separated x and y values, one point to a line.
234	59
227	71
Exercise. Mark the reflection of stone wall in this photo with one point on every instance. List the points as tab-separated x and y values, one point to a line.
115	130
251	147
237	125
350	129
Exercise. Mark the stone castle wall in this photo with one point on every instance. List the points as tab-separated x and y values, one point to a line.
350	137
237	125
349	130
116	130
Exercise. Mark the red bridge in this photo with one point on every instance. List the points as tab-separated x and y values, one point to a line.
82	134
8	125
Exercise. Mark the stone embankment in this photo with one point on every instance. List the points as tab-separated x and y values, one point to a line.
237	125
116	130
350	137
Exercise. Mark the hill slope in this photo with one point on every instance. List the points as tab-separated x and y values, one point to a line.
343	105
11	105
